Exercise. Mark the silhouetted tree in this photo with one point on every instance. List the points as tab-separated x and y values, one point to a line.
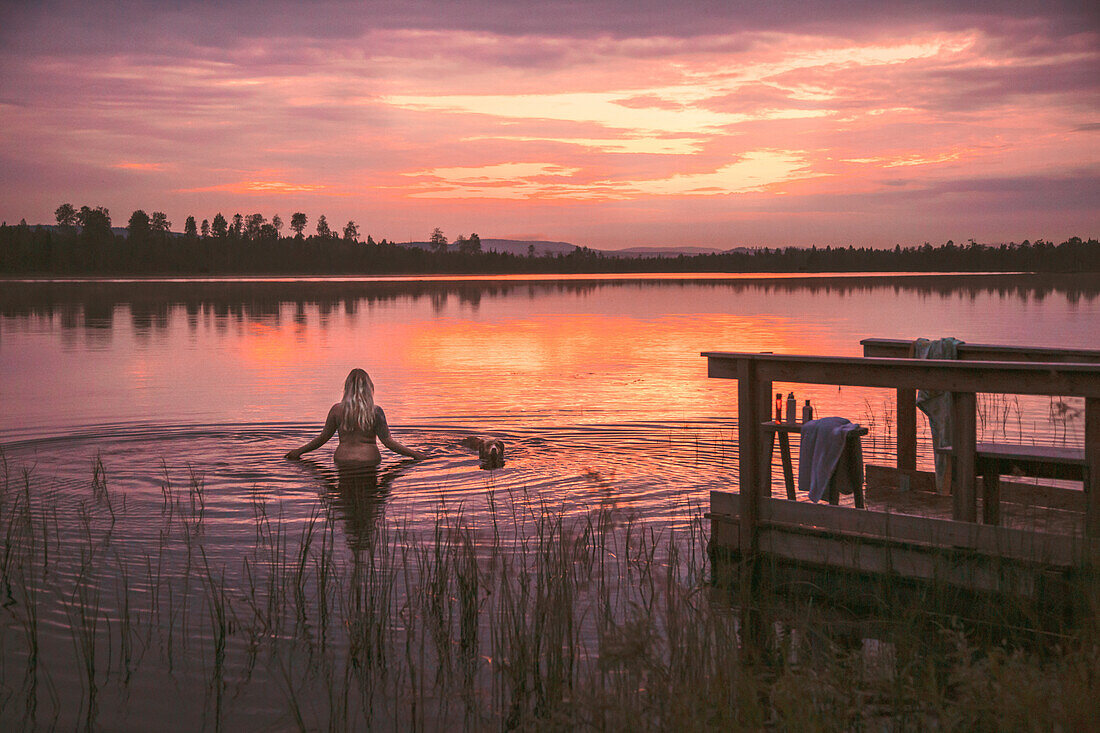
189	228
298	223
253	224
159	223
205	229
438	240
530	250
220	227
138	228
65	215
469	246
95	223
277	222
322	227
351	232
238	225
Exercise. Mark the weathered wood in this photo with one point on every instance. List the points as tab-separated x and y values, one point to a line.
1092	467
1040	461
991	460
906	398
950	376
1016	492
894	348
762	409
991	495
748	451
964	418
772	426
869	525
957	551
725	502
788	468
943	566
907	428
769	439
878	475
1038	454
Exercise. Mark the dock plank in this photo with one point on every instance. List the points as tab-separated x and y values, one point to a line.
1042	548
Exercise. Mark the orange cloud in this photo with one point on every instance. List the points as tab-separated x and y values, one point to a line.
257	187
133	166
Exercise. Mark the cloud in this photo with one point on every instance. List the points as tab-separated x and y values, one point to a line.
135	166
479	113
755	171
85	24
262	187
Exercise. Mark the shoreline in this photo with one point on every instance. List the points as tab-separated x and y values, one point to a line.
522	277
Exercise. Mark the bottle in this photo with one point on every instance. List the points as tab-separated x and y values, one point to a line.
779	407
807	412
792	417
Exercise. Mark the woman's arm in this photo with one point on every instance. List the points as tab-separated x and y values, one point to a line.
382	430
327	432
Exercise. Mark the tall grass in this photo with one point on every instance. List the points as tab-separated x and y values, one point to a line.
511	615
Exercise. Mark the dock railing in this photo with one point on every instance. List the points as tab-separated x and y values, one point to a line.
907	396
755	374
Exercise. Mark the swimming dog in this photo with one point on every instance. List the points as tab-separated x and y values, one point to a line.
490	451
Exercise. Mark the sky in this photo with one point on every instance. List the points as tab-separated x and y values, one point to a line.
608	124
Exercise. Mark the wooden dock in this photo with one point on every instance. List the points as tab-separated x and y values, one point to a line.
899	535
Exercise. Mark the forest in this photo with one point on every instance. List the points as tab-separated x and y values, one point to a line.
83	243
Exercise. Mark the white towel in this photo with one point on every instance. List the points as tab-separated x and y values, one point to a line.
937	405
819	451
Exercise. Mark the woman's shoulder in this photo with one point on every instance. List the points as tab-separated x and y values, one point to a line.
379	413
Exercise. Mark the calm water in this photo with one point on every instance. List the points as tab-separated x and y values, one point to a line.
595	385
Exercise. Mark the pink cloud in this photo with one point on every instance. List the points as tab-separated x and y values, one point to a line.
641	133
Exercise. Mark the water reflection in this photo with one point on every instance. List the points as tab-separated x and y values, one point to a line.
357	495
490	355
96	304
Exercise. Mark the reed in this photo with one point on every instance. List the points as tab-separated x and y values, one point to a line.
511	615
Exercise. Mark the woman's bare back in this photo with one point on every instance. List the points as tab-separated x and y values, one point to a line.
358	446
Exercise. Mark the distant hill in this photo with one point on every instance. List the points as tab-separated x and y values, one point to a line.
671	251
522	247
511	246
544	248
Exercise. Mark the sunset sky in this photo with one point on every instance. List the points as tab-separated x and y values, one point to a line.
609	124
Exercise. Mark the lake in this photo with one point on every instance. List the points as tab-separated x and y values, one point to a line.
146	420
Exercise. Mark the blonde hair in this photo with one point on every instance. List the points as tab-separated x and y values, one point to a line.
358	402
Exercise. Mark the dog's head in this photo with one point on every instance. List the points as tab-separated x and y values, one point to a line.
491	452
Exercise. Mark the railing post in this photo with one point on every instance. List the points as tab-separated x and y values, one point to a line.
907	429
752	395
753	405
964	436
1092	467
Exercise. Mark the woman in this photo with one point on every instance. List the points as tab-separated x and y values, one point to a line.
358	421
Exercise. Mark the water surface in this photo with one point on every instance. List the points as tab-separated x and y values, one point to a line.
595	385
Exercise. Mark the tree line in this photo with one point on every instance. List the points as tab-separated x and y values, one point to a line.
84	243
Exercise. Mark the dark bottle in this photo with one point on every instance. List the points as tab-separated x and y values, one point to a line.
807	412
792	406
